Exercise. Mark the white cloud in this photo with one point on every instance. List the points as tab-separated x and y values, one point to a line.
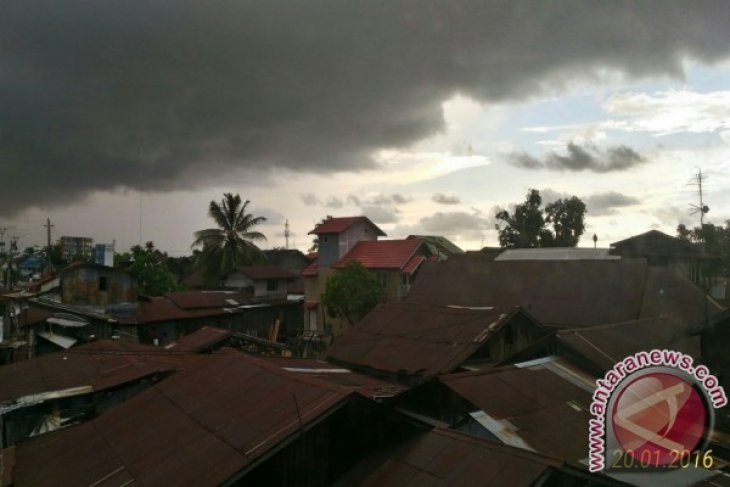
670	112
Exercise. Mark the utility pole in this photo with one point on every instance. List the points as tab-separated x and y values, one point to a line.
286	233
48	238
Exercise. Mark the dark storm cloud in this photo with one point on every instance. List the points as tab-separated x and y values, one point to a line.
156	95
607	203
579	158
442	199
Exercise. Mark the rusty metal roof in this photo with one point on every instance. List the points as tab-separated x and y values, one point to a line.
101	365
198	427
446	457
381	254
201	338
417	339
188	300
265	272
340	224
544	405
365	385
565	293
606	345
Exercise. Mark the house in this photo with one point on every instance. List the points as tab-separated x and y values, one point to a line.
564	293
438	246
395	262
335	237
292	260
410	343
660	249
91	285
266	282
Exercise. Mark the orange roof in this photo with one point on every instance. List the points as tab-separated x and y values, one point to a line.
381	254
339	225
311	269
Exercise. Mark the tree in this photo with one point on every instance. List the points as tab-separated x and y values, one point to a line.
525	227
352	292
716	242
154	278
232	243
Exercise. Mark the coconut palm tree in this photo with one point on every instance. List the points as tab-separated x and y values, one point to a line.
232	243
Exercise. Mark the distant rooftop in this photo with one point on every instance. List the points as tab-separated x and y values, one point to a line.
556	253
339	225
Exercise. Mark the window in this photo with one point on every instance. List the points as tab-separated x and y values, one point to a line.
383	278
405	279
272	285
324	239
102	283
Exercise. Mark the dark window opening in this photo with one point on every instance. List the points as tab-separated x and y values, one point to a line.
272	285
102	283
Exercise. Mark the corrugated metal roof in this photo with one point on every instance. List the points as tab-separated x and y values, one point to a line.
380	254
340	224
266	272
416	339
557	253
566	293
198	427
209	299
445	457
101	364
201	338
365	385
606	345
541	404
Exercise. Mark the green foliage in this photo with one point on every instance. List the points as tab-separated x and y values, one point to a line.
716	241
352	292
232	243
153	276
525	227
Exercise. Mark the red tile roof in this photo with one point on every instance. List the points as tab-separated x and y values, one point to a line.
339	225
381	254
413	263
266	272
311	269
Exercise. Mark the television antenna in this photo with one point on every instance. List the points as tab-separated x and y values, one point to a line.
702	208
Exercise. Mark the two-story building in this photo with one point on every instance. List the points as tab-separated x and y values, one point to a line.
264	282
355	239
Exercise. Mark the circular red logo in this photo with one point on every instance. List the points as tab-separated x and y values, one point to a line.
660	413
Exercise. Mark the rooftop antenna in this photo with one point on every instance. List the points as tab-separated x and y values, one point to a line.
702	208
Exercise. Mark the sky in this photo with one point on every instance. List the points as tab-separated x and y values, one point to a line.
122	120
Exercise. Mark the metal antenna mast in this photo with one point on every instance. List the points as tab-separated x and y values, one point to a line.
702	208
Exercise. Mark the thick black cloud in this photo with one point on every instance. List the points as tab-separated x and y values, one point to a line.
580	158
159	95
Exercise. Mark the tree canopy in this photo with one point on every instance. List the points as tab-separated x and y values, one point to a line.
716	241
526	227
232	243
154	278
352	292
